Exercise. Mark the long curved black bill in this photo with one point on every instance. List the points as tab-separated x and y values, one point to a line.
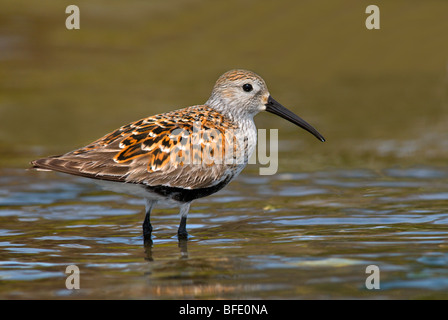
276	108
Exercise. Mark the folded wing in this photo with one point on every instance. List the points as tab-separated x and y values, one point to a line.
165	149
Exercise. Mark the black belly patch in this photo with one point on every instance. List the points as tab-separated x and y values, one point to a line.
186	195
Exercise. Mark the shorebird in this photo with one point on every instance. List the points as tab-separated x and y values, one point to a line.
179	156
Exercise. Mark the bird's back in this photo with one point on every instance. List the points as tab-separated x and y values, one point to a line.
188	148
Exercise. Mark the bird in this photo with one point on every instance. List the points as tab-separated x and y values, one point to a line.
177	157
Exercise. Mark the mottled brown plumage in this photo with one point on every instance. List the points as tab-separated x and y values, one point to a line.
142	152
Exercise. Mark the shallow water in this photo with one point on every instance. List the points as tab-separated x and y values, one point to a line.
292	235
374	194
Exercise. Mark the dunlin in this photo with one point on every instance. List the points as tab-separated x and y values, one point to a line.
179	156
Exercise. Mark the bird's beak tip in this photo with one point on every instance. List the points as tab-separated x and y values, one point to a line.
277	109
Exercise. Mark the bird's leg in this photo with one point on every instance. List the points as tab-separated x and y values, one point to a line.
182	231
147	227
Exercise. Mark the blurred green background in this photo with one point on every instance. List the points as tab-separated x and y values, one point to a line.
378	96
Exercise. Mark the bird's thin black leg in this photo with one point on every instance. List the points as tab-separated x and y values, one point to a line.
182	231
147	227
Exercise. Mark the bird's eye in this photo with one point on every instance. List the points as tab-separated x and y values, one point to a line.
247	87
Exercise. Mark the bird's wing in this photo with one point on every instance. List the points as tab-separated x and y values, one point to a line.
164	149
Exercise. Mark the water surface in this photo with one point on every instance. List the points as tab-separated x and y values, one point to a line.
294	235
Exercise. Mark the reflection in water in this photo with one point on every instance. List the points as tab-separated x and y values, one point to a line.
148	250
182	244
294	236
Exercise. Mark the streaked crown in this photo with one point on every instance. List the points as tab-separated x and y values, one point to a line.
239	93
